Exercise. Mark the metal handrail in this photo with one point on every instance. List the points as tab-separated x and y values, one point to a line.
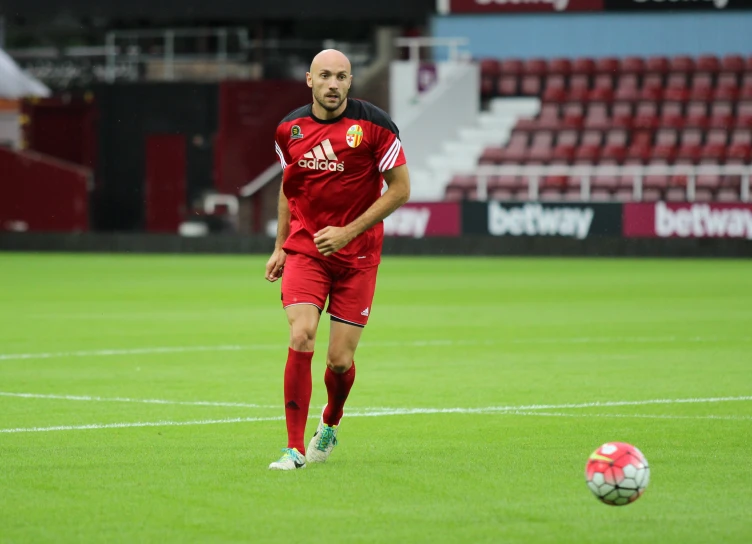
637	172
414	44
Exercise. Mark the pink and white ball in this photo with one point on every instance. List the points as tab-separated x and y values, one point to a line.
617	473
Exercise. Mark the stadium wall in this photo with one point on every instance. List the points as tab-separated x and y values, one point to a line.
599	34
484	228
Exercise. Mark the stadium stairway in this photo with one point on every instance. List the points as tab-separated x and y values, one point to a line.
461	155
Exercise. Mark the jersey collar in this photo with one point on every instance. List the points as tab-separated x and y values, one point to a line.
333	120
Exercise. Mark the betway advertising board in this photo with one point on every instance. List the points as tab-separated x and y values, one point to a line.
561	219
688	220
419	220
445	7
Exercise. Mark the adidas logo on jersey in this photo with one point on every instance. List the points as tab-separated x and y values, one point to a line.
322	157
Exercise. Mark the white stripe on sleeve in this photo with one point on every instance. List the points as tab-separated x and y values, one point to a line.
280	155
391	156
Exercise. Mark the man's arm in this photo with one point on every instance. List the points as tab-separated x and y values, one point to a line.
283	220
331	239
276	262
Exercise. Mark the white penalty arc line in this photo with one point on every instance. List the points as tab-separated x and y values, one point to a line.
519	410
418	343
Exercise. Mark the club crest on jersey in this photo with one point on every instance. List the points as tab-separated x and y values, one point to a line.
354	136
295	133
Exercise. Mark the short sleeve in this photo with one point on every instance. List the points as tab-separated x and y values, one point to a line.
388	151
281	151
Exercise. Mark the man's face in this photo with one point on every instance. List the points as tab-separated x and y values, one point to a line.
330	82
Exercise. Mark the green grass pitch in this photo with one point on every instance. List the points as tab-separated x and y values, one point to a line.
471	419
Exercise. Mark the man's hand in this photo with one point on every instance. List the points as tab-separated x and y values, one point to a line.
275	265
329	240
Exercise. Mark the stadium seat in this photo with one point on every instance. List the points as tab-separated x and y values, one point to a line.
583	65
732	63
727	195
534	67
652	195
561	66
633	65
681	63
607	65
657	64
708	63
676	194
506	85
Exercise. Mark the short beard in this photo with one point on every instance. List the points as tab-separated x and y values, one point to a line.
327	107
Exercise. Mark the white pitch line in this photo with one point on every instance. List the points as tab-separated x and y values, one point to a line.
509	410
350	414
374	411
417	343
628	416
139	401
387	410
138	424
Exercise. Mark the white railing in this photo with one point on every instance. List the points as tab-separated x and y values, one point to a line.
585	173
452	44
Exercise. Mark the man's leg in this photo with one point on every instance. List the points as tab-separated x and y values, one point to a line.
305	286
340	368
350	306
304	320
338	377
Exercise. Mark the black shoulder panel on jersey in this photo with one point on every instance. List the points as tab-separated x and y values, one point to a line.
368	112
297	113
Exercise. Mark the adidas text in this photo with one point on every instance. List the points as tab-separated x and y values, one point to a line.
313	164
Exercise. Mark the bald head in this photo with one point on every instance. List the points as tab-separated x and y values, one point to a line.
332	59
330	80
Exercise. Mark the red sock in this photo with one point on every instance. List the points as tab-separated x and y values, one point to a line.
297	396
337	387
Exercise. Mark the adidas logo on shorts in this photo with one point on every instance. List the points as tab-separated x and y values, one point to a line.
364	312
322	157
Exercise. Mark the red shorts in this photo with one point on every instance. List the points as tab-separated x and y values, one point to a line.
306	280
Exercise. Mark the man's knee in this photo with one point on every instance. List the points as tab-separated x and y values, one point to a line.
339	363
302	337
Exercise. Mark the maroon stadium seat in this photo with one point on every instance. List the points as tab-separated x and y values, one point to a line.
583	65
657	64
579	81
506	85
509	183
534	67
490	67
703	195
607	65
530	85
727	195
681	63
622	114
676	194
603	81
732	63
671	115
511	67
652	195
495	155
708	63
454	194
561	66
633	65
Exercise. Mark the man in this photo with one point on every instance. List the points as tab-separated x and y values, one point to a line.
335	153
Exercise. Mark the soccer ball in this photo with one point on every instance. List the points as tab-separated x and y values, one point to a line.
617	473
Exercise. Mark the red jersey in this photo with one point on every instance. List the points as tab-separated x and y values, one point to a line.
333	173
